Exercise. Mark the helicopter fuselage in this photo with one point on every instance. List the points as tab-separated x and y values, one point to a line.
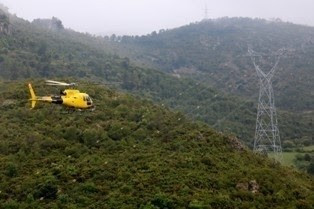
73	98
69	97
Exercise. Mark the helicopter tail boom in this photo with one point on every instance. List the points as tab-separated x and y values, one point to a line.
33	96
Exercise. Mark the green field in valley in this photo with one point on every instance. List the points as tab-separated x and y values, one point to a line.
309	148
288	158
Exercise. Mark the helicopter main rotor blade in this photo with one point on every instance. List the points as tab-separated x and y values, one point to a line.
57	83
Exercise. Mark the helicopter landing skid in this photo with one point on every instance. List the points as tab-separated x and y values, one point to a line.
75	110
68	111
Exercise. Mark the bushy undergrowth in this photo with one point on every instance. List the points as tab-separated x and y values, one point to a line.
129	153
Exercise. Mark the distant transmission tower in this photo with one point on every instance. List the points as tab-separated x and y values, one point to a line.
267	138
205	12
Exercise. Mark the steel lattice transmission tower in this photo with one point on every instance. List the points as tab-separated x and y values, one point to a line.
267	138
205	12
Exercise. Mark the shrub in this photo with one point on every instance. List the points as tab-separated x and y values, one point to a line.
161	201
197	205
310	169
72	133
118	131
89	188
11	204
11	170
47	190
90	137
307	157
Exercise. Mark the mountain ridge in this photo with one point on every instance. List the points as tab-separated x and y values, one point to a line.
217	49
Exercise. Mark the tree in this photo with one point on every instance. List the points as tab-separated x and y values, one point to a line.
310	169
307	157
113	37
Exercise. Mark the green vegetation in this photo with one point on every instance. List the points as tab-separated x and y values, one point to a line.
300	158
215	52
129	153
38	50
308	148
304	159
305	162
288	158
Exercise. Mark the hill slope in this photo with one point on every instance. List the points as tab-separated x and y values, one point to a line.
44	49
129	153
214	51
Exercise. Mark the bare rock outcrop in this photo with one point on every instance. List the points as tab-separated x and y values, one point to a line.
236	144
251	186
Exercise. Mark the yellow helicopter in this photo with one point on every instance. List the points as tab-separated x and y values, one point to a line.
70	98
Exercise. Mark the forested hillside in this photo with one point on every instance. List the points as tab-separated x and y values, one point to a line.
215	53
45	49
129	153
144	145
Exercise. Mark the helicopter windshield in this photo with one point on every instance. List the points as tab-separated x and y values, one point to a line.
87	98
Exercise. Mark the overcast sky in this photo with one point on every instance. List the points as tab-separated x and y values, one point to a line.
136	17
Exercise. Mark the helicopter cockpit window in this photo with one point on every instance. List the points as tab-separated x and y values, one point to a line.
89	99
62	92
